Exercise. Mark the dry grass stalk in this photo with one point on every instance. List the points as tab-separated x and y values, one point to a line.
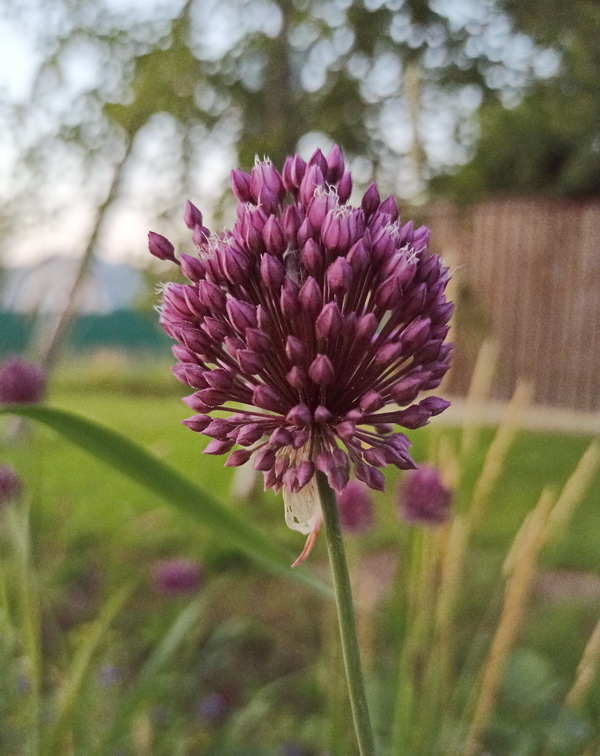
519	543
570	496
453	549
462	526
479	390
447	462
515	600
586	671
574	489
497	452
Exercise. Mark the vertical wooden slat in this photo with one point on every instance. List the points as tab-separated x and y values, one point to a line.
534	266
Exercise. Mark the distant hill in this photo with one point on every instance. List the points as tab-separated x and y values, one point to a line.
45	287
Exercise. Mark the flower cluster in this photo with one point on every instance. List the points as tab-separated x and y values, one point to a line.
21	382
176	577
423	497
10	485
314	323
355	508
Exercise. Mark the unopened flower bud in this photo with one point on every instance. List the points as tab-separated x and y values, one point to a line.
10	485
355	508
177	577
21	382
423	497
161	247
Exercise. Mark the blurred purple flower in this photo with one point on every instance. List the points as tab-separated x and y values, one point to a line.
321	318
10	484
213	708
292	749
108	676
21	382
423	498
355	507
177	577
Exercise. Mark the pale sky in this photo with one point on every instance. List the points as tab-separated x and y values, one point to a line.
125	240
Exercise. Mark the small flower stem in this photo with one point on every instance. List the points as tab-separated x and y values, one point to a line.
345	612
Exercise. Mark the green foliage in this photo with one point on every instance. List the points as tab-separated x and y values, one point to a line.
548	141
139	676
129	458
246	78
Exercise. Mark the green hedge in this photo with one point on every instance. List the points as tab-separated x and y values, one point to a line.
122	329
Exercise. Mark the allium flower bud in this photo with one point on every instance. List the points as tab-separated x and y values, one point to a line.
355	507
325	317
292	749
177	577
21	382
10	485
423	498
213	708
161	247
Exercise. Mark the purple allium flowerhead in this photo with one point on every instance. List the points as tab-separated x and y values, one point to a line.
177	577
21	382
355	507
10	484
423	497
315	324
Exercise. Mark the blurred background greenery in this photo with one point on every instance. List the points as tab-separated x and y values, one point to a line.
114	113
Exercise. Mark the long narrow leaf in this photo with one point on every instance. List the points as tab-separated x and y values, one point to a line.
175	636
131	459
81	670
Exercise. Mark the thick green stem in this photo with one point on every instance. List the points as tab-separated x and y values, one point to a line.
345	612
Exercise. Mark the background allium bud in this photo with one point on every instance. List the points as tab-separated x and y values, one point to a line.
213	708
177	577
355	507
10	484
320	319
21	382
423	498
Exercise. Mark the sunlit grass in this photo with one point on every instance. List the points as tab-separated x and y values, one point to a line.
93	530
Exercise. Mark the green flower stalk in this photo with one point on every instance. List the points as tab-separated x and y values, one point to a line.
315	325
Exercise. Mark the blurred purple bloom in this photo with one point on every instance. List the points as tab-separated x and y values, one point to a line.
10	484
108	676
23	684
213	707
423	498
320	319
177	577
292	749
21	382
355	507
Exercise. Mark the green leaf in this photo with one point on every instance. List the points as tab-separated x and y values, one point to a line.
131	459
81	670
158	660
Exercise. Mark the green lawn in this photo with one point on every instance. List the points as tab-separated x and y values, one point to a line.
93	529
98	501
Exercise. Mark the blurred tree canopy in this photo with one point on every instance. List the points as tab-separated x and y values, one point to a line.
163	95
548	140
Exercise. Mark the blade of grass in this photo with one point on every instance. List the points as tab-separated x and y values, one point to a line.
28	619
479	389
131	459
81	668
516	596
174	637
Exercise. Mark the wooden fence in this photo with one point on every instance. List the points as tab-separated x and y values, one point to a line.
529	274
